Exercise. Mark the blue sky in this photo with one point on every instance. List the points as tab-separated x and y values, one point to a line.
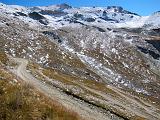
142	7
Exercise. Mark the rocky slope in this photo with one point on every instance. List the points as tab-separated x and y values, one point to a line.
96	54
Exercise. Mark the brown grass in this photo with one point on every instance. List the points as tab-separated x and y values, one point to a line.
21	102
3	57
67	79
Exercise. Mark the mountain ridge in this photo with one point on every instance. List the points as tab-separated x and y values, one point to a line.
105	15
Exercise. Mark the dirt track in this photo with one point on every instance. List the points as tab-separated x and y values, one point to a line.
80	107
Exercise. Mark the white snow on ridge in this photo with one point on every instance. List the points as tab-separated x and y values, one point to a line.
135	23
97	16
153	21
11	8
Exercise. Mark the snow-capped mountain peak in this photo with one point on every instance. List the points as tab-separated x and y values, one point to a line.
63	15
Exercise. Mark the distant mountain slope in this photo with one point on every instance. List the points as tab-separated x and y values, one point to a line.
153	21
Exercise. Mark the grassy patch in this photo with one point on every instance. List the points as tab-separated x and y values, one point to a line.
68	79
3	57
100	87
54	74
87	95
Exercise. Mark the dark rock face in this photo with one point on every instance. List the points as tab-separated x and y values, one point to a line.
157	30
77	15
150	52
152	48
133	30
75	21
127	12
104	13
119	9
56	13
106	18
44	21
99	29
51	34
47	12
21	14
155	43
59	41
89	19
36	16
116	8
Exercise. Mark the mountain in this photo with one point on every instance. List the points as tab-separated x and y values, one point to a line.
105	60
63	15
153	21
